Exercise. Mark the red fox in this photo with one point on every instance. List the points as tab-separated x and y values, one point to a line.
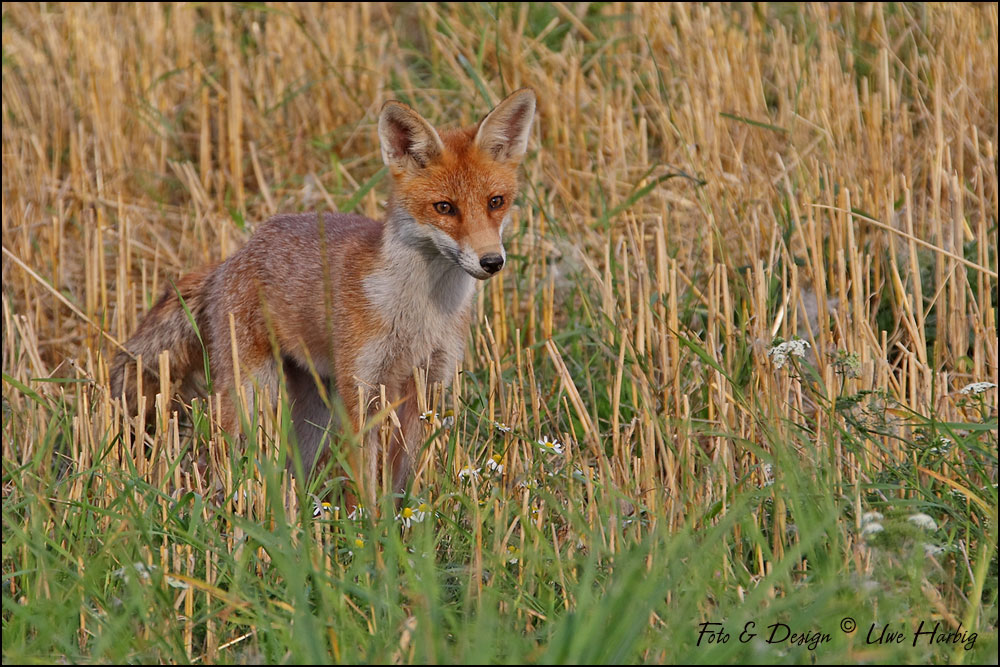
361	302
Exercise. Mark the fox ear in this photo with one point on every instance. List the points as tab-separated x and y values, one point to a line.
407	139
504	132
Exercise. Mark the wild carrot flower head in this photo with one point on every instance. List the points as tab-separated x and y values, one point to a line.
871	517
871	528
933	549
922	520
779	353
976	388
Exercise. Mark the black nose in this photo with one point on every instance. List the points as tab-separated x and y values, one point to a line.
491	262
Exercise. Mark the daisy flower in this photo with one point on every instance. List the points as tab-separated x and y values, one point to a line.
503	428
321	507
469	473
550	445
411	515
428	416
514	554
493	464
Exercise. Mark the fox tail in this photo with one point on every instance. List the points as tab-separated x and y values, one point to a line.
168	326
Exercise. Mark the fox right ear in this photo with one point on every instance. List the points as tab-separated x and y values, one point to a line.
407	139
504	132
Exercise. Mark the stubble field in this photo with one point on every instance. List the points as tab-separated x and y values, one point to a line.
752	295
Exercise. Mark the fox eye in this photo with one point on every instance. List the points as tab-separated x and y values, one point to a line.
496	202
444	208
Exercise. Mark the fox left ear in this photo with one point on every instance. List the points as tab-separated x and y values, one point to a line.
504	132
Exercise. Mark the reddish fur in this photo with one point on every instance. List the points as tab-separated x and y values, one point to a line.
461	175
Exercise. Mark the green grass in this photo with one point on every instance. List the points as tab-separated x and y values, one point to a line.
590	582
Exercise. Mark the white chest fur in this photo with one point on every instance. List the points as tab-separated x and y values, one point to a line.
423	299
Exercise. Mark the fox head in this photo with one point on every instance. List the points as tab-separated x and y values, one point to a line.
456	188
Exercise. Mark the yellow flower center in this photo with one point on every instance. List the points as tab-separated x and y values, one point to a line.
423	507
497	458
358	542
407	513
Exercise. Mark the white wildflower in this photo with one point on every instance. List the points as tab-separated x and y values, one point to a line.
550	445
324	506
493	464
943	446
428	416
976	388
871	528
514	554
407	516
357	513
139	568
933	549
469	473
449	419
779	353
922	520
768	470
144	571
503	428
871	517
